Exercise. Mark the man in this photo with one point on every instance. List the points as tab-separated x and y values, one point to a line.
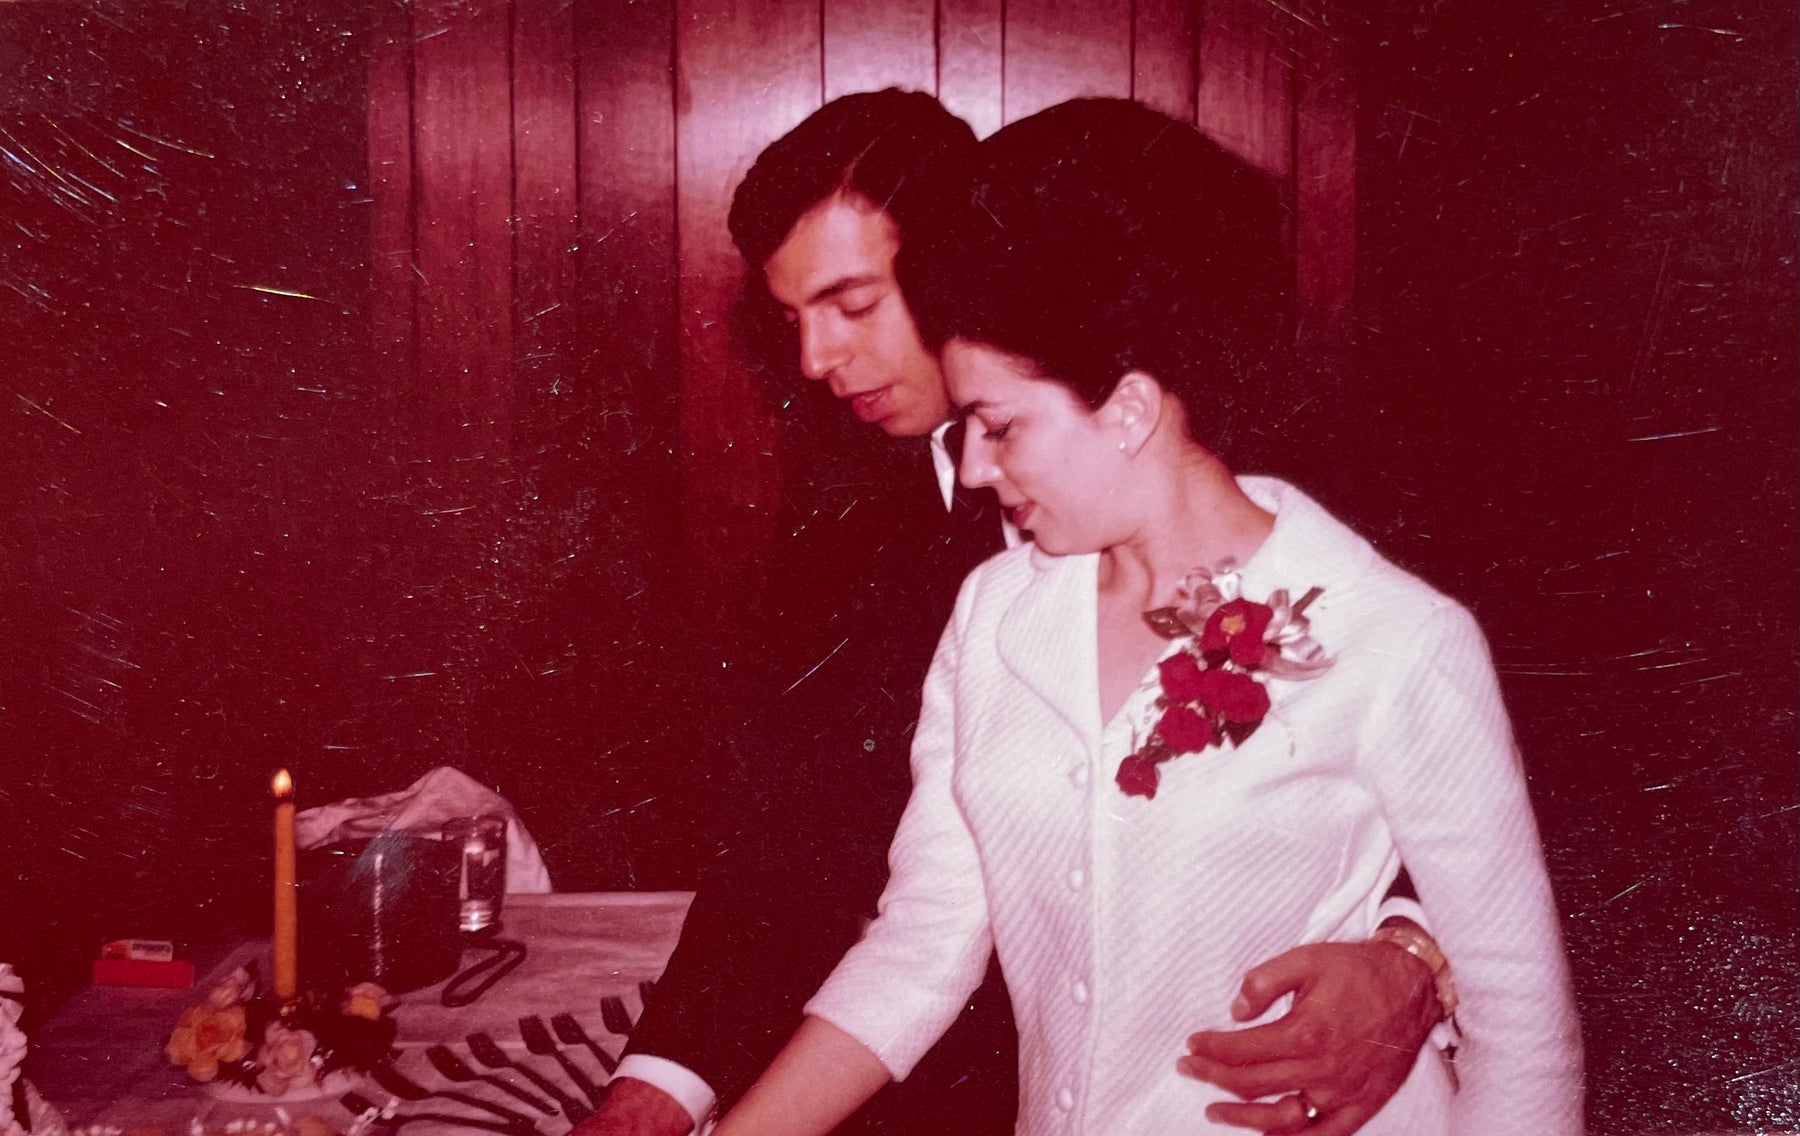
860	590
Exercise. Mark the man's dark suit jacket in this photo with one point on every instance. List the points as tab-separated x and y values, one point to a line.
862	583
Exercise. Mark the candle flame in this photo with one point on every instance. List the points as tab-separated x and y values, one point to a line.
283	784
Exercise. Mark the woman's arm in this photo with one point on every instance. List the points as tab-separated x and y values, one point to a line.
899	988
1438	751
817	1080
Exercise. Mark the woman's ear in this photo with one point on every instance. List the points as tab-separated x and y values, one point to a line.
1135	408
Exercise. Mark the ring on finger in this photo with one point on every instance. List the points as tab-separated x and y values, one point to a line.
1313	1115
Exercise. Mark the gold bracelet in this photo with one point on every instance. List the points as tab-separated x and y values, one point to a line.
1412	939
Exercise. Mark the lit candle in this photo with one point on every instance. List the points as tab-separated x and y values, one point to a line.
287	917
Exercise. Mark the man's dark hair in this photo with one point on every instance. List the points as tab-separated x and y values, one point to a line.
877	145
884	146
1099	237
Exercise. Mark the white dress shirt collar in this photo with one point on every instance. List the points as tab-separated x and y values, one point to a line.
945	468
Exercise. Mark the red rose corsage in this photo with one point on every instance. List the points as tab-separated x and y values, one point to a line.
1213	688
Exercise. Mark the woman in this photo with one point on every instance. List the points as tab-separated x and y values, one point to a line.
1196	723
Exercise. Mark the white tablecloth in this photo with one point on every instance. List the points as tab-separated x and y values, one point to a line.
100	1058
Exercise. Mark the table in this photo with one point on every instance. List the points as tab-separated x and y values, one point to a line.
100	1058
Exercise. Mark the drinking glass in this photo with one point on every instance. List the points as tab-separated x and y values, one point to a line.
482	882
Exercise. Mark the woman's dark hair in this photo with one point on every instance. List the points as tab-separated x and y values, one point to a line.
1099	237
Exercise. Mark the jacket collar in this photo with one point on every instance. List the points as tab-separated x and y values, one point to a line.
1307	547
1047	639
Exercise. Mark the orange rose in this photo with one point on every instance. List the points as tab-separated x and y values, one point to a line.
367	1000
286	1058
205	1037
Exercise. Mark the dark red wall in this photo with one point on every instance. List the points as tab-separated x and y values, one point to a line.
1578	414
343	532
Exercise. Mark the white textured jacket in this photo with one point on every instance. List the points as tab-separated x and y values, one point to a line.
1124	924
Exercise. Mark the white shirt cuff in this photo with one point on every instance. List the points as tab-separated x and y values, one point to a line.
1404	908
683	1084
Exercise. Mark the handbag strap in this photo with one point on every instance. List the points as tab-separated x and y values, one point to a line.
475	981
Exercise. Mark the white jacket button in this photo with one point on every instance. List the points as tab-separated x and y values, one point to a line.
1078	776
1079	991
1065	1099
1077	879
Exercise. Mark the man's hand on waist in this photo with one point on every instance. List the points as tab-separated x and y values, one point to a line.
1361	1012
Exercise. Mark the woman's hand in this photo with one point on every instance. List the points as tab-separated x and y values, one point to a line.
1361	1011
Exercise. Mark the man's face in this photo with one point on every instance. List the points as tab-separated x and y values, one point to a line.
834	276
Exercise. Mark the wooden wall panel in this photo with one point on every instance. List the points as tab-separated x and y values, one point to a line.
627	300
970	37
1058	49
1245	98
1164	68
462	146
391	240
545	204
744	75
550	195
871	44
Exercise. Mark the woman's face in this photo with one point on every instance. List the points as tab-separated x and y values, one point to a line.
1054	462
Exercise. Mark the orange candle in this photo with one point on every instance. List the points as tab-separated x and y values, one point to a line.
287	915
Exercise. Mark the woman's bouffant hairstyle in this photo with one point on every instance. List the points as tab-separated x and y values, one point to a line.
1099	237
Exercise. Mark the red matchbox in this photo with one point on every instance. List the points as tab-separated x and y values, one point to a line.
176	973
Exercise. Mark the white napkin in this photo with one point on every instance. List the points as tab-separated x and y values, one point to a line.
422	808
44	1119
